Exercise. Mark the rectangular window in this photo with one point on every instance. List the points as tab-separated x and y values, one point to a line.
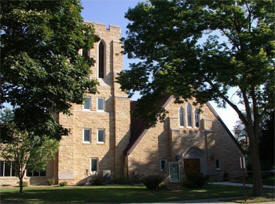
217	164
36	173
86	135
163	164
87	103
7	168
94	165
101	136
100	104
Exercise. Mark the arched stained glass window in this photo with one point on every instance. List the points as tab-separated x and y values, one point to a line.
101	59
189	115
197	118
181	116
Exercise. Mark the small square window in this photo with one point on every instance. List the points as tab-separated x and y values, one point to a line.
87	103
87	136
94	165
100	104
101	136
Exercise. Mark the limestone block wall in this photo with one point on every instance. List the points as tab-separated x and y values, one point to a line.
74	158
219	145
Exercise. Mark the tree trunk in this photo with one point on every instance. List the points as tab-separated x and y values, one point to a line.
256	165
21	183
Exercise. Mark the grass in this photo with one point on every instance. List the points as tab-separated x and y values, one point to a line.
114	194
266	181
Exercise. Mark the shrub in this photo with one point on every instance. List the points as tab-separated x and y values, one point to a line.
226	176
97	180
25	184
63	183
51	181
152	182
196	180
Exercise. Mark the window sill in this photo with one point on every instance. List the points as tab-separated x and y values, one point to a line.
86	142
100	143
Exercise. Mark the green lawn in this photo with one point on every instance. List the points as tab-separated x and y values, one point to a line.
84	194
266	181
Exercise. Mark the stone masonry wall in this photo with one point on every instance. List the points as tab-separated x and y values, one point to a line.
159	140
74	155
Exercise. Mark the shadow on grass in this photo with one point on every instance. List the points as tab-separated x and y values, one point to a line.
84	194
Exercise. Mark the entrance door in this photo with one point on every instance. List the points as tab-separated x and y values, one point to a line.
174	173
191	166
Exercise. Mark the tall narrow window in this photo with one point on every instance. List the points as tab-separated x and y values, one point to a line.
100	104
100	136
87	103
181	116
197	118
189	115
93	165
217	164
86	135
101	51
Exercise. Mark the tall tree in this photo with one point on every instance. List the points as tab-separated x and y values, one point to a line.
23	149
41	72
202	49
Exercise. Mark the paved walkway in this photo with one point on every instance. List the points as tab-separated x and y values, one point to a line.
239	184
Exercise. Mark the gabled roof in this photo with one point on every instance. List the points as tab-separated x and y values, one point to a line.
138	129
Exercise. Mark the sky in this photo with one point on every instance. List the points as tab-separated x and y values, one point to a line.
111	12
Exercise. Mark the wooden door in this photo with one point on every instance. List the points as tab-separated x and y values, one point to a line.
191	166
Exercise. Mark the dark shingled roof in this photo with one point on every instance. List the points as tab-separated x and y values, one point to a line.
137	124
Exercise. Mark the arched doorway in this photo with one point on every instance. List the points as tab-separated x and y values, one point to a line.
194	161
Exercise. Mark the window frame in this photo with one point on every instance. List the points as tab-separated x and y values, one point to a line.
189	113
183	117
10	169
97	104
218	167
83	139
83	105
197	114
97	134
91	163
101	42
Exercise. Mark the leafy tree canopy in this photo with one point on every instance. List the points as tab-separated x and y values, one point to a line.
41	71
201	49
24	149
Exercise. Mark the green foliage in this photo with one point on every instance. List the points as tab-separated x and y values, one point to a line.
63	184
203	50
197	180
26	150
51	181
41	72
152	182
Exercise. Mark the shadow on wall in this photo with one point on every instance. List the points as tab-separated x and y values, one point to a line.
107	162
218	154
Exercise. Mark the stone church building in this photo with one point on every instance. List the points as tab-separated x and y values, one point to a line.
105	140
